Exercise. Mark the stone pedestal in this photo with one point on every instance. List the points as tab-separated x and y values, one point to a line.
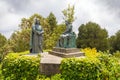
66	52
49	64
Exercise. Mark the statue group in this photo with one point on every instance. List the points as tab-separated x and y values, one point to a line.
66	40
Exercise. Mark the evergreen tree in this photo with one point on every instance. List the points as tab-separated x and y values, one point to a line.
52	21
114	42
93	36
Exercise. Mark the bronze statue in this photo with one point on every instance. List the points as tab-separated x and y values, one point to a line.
68	38
36	38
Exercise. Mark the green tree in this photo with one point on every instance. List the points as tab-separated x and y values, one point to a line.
27	23
3	42
93	36
19	40
114	42
69	13
52	41
52	21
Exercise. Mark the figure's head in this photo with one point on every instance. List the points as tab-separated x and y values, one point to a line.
37	21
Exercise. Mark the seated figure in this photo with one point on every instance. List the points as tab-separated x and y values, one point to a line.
68	38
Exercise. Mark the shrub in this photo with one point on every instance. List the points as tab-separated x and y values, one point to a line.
91	53
80	69
111	67
117	54
102	68
57	77
20	67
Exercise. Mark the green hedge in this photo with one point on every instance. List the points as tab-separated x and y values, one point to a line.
103	68
110	67
20	67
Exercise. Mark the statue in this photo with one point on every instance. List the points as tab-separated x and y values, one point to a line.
68	38
36	38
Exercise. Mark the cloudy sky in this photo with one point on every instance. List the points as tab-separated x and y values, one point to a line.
104	12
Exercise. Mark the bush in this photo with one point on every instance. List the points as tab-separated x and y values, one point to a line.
80	69
57	77
20	67
90	53
103	68
117	54
111	67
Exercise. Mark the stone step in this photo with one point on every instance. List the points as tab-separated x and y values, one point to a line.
66	50
67	55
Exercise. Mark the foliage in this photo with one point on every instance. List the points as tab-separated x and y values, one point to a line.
117	54
3	40
111	67
69	13
93	36
57	77
1	76
3	46
20	53
52	41
19	40
80	69
114	42
20	67
103	68
53	77
90	53
52	22
5	50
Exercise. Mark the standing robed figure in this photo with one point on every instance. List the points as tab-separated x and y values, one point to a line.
36	38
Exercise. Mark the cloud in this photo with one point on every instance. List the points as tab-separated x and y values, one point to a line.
103	12
99	12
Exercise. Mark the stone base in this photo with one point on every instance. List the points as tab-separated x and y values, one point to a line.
49	69
66	52
49	64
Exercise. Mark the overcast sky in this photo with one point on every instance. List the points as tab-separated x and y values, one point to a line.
104	12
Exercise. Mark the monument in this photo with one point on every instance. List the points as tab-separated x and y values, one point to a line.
65	48
66	45
36	38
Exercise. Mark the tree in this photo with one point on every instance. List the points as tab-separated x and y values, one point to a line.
114	42
93	36
69	13
27	23
3	42
53	39
52	21
19	40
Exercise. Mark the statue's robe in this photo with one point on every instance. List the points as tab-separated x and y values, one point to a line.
36	39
